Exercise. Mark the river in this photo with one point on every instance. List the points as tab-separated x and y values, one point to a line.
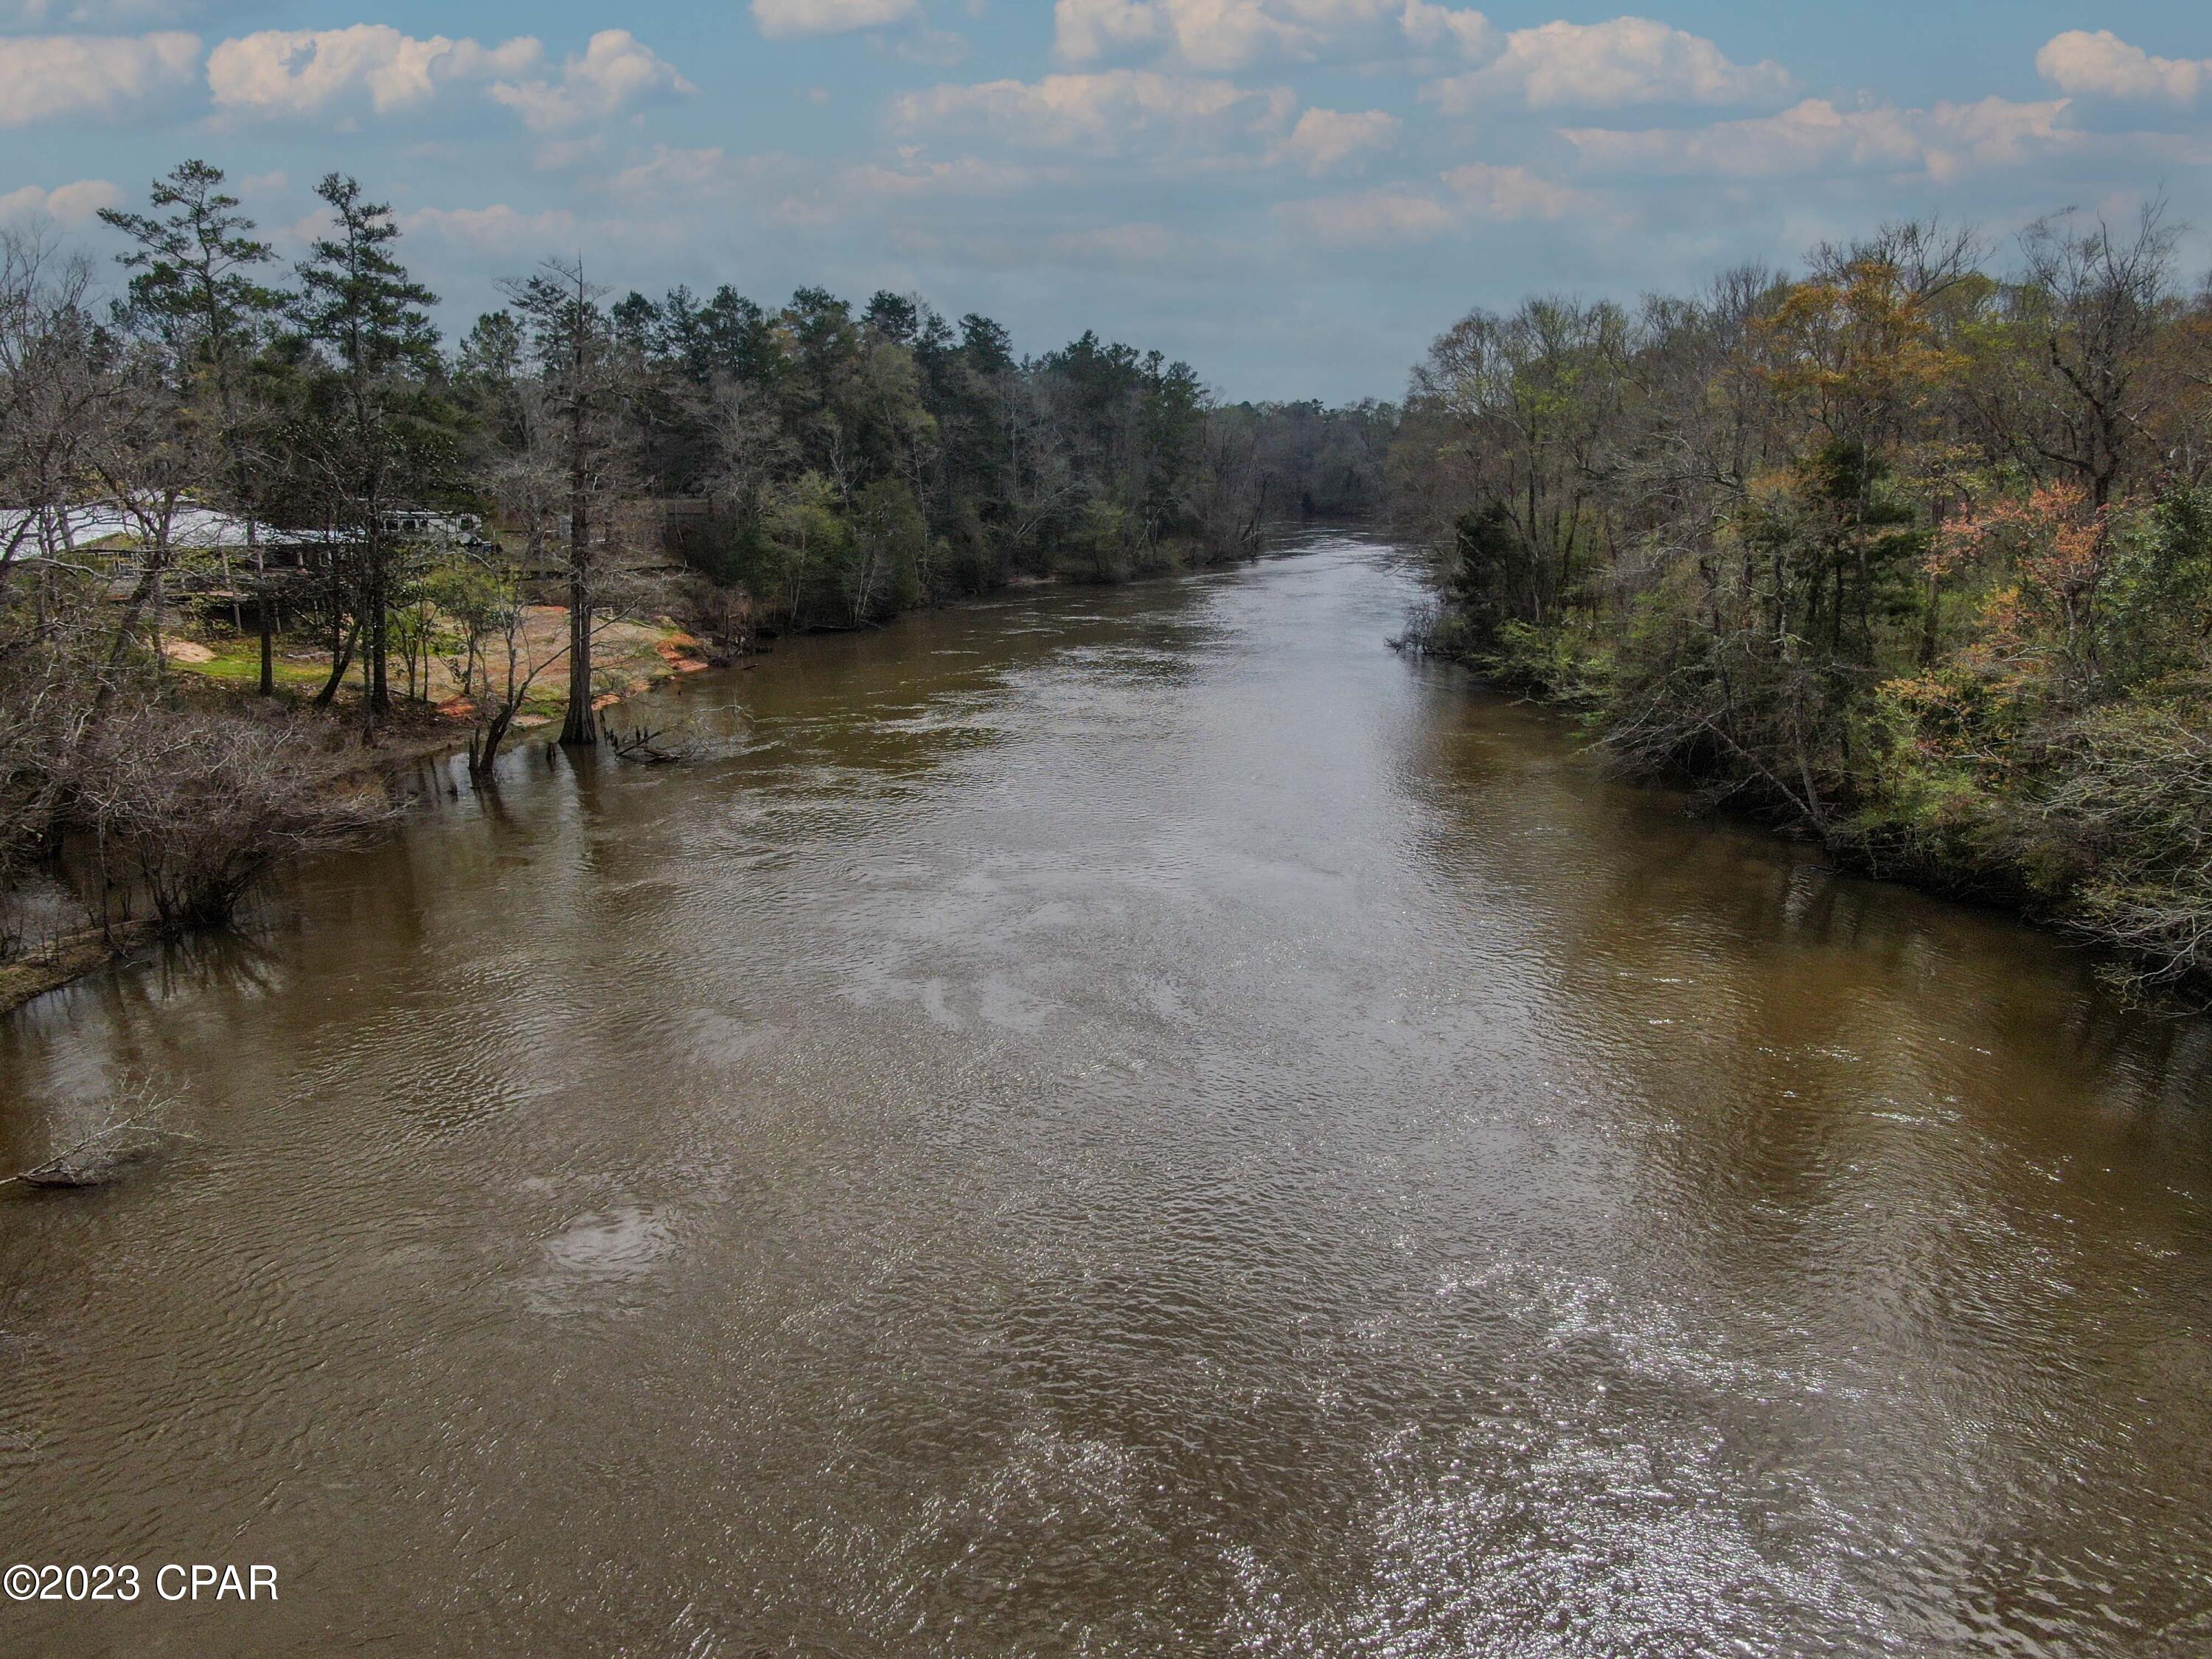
1116	1122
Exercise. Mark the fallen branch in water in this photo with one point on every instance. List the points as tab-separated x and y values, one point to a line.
640	745
100	1158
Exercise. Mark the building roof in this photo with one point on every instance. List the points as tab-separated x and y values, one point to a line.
192	528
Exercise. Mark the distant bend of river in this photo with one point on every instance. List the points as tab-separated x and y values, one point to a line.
1117	1122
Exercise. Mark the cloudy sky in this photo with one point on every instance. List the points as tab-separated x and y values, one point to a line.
1296	194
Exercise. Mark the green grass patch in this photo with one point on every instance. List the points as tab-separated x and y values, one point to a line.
238	662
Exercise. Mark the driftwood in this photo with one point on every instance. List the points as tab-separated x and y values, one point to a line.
640	745
101	1157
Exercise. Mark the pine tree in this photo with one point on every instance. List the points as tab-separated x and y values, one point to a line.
194	284
360	305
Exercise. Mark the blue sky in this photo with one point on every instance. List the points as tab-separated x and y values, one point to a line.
1294	195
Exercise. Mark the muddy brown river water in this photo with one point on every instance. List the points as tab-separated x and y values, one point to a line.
1117	1123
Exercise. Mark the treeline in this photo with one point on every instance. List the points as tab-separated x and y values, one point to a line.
305	445
860	460
1913	550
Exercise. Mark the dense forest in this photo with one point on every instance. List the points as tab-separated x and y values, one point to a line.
1913	551
354	517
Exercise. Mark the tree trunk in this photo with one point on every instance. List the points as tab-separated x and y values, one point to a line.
483	750
340	659
380	636
148	588
577	731
266	611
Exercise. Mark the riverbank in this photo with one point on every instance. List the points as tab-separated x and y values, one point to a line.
58	961
632	656
2091	822
217	676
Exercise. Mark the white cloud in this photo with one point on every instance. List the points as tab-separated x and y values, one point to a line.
2103	64
684	171
1994	132
45	75
1105	114
498	229
916	180
1814	136
1512	193
663	194
1085	30
1369	218
1325	139
662	197
1629	60
1475	193
305	72
1146	246
1445	28
616	71
671	185
786	19
1108	250
1221	34
560	155
71	204
935	48
301	72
